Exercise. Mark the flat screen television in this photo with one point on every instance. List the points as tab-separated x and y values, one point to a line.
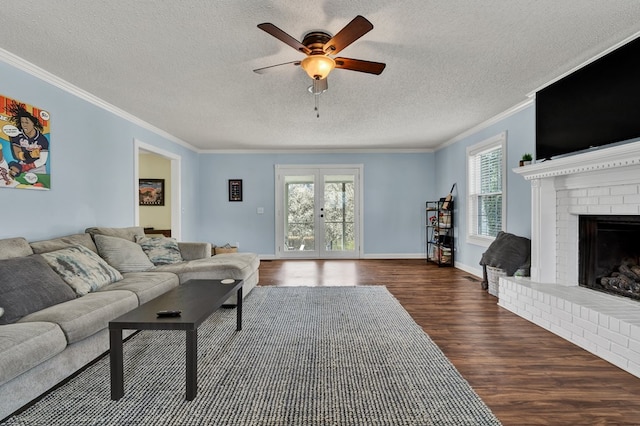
597	105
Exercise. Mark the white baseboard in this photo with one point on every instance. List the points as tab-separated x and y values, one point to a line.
365	256
474	271
394	256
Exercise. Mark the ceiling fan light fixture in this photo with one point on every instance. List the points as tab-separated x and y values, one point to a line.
318	67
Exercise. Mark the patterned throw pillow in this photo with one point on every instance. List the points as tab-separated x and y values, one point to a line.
124	255
161	251
82	269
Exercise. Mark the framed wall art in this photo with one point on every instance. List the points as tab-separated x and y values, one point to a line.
151	192
24	145
235	189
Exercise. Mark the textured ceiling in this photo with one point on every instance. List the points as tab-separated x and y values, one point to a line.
186	66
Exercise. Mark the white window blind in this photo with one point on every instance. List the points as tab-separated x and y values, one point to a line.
485	173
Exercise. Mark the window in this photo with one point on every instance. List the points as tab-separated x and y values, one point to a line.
486	182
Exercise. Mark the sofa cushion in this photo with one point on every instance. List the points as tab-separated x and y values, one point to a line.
53	244
161	251
25	345
86	315
82	269
194	250
124	255
232	265
28	284
128	233
14	247
145	285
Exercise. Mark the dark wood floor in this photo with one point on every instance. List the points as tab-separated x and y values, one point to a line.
525	374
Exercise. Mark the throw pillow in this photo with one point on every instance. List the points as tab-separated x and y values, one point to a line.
53	244
161	251
124	255
28	284
126	233
82	269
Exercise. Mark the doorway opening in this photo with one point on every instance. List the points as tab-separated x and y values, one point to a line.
172	186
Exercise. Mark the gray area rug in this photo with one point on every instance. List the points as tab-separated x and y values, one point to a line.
305	356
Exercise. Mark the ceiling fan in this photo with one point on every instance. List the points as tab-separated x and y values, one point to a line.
320	46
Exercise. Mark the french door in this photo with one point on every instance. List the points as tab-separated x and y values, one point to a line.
318	212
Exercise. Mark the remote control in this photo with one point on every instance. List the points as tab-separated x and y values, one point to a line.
168	313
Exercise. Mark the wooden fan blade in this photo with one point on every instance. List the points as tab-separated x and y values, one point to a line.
355	29
360	65
284	37
267	69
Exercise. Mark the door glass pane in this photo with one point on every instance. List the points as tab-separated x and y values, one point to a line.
299	220
339	213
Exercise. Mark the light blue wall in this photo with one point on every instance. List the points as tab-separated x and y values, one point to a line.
91	158
92	182
395	187
451	167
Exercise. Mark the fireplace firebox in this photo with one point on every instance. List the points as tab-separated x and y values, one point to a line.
609	254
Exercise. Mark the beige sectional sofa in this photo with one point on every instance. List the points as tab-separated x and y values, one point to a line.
68	329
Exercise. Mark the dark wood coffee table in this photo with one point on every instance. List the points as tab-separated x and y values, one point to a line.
197	299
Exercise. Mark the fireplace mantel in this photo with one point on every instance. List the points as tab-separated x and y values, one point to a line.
589	171
601	159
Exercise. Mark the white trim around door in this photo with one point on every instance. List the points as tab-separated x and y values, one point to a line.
318	211
176	164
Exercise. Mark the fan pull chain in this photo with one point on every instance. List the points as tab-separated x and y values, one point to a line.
316	95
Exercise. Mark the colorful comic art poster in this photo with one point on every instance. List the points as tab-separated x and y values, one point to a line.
24	146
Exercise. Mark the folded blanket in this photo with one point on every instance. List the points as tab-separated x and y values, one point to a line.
508	252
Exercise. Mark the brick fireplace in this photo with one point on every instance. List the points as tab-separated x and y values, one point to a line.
602	182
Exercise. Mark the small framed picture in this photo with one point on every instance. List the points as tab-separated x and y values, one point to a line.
151	192
235	189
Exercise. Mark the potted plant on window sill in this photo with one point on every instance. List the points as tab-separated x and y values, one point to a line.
526	159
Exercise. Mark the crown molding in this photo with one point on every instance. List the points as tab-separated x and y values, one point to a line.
493	120
585	63
26	66
319	151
